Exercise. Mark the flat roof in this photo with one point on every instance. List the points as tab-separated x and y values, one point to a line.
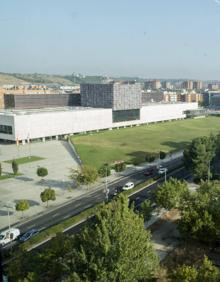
46	110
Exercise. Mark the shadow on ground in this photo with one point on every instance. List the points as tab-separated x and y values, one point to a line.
174	146
24	178
4	213
137	157
31	202
55	183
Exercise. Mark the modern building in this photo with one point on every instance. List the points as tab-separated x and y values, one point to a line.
125	99
26	125
212	99
36	101
152	84
166	85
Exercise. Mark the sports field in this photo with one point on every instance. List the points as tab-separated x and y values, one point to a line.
131	144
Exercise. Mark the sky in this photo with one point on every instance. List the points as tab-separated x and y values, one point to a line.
145	38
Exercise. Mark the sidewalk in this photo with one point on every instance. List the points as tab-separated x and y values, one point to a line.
58	160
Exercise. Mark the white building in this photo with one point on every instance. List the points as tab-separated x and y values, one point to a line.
34	124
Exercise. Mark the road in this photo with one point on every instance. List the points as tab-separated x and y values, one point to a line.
82	203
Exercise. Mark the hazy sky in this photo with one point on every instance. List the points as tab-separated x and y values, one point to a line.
147	38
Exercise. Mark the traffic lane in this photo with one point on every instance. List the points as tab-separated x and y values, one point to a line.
83	203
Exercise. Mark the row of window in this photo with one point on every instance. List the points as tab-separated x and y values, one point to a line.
5	129
126	115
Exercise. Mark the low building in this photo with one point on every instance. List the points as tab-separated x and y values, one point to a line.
25	125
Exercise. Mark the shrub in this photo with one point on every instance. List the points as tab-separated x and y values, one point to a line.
104	170
120	166
14	167
42	171
162	155
150	157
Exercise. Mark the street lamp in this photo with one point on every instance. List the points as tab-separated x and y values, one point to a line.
106	183
8	206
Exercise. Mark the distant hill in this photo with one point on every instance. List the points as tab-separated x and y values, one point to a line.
19	78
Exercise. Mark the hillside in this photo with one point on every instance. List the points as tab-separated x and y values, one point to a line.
18	78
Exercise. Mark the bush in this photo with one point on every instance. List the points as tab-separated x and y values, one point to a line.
14	167
162	155
120	166
150	157
104	170
42	171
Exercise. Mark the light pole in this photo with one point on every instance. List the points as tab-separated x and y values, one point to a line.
106	183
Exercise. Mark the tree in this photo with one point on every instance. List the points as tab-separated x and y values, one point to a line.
14	165
48	195
146	210
200	214
162	155
150	157
120	166
22	206
42	172
85	176
206	272
116	248
171	193
104	170
199	155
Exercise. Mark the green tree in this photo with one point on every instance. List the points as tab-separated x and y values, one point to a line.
150	156
42	172
206	272
85	176
117	248
146	210
200	213
162	155
22	206
184	274
120	166
48	195
14	165
199	155
104	170
171	193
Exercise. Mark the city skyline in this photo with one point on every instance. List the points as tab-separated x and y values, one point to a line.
154	39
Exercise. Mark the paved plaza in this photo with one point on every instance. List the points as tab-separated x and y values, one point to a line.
58	159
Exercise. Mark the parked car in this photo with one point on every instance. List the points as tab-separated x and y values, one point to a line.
128	186
149	171
28	235
8	236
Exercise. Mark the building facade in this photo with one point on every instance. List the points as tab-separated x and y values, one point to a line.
25	125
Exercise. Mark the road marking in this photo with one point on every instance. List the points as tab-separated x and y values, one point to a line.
31	226
66	216
56	214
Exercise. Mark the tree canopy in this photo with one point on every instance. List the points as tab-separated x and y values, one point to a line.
48	195
22	205
171	193
86	175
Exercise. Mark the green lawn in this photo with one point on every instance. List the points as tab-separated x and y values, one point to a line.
25	160
130	144
9	175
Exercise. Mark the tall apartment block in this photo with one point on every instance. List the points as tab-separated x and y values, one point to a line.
123	98
188	84
197	85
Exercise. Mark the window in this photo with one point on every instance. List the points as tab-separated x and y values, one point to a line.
126	115
5	129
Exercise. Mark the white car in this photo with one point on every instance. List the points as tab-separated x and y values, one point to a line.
162	170
8	236
128	186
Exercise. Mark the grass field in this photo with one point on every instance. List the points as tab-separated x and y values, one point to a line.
131	144
25	160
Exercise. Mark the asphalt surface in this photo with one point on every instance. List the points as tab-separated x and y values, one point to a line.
82	203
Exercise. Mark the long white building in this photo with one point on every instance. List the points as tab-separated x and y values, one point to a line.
34	124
